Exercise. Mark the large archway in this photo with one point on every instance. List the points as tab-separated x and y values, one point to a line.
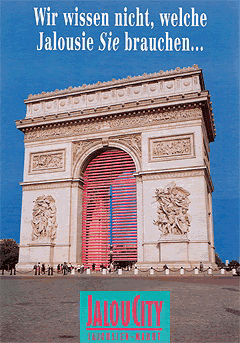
109	219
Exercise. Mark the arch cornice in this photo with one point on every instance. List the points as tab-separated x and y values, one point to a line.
85	150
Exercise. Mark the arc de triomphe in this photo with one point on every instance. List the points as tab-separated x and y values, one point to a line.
119	171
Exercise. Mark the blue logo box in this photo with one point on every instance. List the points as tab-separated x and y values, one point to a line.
128	316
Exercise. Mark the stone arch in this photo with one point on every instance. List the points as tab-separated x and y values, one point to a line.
109	209
93	148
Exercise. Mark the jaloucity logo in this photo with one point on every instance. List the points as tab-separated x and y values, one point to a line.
124	316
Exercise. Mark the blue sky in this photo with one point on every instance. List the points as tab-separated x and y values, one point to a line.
25	70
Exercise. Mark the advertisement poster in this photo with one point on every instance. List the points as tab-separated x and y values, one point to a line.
92	89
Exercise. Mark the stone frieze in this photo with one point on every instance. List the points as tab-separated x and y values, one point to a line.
117	122
48	161
171	147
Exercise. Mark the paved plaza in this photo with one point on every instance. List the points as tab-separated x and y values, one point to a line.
45	308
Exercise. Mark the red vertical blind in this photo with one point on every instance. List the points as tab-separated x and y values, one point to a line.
109	209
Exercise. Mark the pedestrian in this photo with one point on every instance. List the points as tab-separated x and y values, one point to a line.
48	270
93	267
43	269
51	270
65	268
38	268
58	268
201	267
73	270
82	268
35	269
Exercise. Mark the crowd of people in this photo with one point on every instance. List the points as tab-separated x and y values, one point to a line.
42	270
65	268
68	268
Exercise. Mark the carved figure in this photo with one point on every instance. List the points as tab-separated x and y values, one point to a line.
173	217
44	218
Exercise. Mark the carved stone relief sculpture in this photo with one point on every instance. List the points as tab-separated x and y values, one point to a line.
173	204
80	147
134	120
44	218
132	141
47	161
173	147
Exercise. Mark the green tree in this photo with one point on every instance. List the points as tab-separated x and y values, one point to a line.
218	261
9	252
234	263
